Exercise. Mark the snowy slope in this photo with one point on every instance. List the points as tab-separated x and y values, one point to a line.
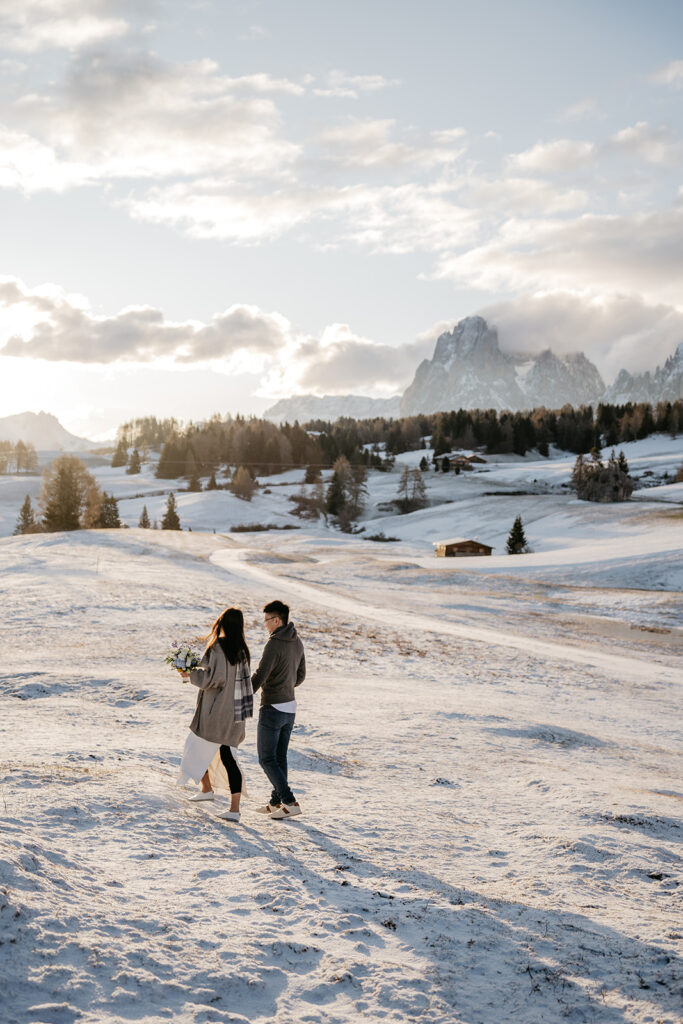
490	828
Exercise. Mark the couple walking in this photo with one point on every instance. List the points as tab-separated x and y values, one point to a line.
226	699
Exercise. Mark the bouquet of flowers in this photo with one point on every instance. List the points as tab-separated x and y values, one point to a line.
184	655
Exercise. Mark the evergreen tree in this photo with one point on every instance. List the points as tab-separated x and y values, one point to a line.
424	465
195	483
109	513
143	522
312	475
133	462
211	484
335	498
622	463
516	542
70	498
120	457
445	464
242	484
170	520
27	523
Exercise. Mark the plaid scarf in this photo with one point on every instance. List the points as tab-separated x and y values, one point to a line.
244	692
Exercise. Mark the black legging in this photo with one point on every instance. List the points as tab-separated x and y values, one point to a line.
230	765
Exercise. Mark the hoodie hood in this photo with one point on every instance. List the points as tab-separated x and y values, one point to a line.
286	633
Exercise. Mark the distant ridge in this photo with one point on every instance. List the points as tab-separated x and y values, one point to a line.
331	407
43	431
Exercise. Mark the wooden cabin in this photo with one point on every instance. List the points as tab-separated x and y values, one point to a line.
462	461
460	547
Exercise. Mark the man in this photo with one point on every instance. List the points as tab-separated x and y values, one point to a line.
282	668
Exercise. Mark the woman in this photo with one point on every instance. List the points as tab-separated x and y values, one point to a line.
224	701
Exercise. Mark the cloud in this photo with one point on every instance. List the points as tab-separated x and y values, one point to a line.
579	110
62	328
548	157
656	144
640	253
134	115
341	362
670	74
369	143
30	26
243	339
615	331
344	86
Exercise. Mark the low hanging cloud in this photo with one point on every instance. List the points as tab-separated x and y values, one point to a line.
615	331
243	339
341	362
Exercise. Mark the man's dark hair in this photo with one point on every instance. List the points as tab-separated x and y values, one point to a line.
278	608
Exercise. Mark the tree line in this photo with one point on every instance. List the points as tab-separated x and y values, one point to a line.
18	458
263	448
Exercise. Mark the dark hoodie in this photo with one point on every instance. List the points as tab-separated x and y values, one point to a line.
282	667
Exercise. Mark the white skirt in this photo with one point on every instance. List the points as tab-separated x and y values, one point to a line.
200	756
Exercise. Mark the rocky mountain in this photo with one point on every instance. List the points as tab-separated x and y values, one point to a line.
43	431
331	407
469	371
664	385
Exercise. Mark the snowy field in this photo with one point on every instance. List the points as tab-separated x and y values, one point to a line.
487	753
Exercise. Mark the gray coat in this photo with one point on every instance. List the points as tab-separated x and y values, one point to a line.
214	718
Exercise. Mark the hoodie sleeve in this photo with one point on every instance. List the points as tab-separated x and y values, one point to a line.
266	666
205	675
301	670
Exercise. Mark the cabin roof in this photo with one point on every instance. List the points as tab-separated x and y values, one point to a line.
459	540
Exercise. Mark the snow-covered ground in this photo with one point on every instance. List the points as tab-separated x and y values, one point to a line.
487	752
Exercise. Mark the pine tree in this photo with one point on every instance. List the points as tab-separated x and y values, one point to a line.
26	522
211	484
242	485
133	462
516	542
622	463
170	520
195	483
312	475
143	522
424	465
70	498
109	513
120	457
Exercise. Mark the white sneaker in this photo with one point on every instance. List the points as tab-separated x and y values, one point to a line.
198	797
230	815
285	811
267	808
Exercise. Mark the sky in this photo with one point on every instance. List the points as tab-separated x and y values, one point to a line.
208	206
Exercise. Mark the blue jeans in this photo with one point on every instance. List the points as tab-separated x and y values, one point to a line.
272	740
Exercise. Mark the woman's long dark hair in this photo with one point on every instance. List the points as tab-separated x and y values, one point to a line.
233	644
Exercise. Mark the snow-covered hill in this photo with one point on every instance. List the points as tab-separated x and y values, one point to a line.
43	431
484	762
